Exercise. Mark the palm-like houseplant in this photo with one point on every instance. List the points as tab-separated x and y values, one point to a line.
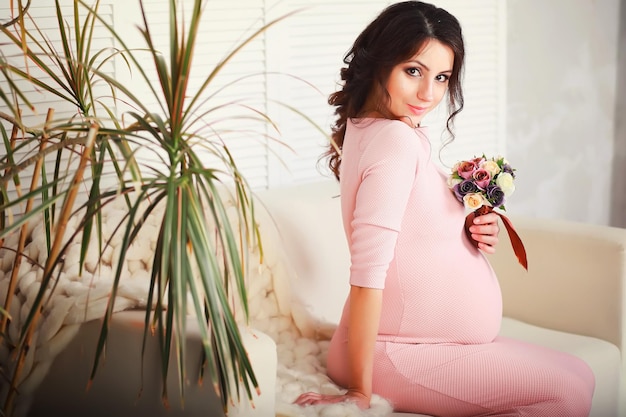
200	257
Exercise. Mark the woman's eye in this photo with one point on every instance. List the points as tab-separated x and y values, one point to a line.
442	78
413	72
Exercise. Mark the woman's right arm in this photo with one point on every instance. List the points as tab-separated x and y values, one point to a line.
365	306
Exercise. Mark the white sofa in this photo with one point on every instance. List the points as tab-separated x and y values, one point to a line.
571	298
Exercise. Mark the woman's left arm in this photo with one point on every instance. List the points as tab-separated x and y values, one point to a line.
485	231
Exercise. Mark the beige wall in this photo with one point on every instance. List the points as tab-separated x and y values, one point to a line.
562	118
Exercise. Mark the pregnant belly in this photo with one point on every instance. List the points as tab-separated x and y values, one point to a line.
447	304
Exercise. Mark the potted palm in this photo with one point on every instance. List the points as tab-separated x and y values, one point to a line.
199	261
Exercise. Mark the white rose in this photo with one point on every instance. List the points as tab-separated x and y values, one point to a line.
453	181
505	182
504	160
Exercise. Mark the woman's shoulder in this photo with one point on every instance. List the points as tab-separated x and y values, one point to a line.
386	132
379	124
372	129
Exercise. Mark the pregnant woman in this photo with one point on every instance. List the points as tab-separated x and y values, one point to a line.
420	325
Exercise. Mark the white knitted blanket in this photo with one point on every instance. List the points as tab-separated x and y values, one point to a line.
82	297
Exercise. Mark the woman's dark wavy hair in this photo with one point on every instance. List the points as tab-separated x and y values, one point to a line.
396	35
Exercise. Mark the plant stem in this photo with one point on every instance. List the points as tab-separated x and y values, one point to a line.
17	123
17	262
51	263
7	171
14	131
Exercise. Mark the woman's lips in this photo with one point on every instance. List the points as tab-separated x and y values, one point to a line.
418	110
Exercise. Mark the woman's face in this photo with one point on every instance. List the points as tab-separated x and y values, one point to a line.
418	85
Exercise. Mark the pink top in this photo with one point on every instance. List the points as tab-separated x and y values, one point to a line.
405	232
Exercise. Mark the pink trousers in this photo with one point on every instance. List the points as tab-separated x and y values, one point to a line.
503	378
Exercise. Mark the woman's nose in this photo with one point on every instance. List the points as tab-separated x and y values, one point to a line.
425	90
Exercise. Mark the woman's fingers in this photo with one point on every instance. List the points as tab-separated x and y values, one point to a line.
308	398
313	398
485	231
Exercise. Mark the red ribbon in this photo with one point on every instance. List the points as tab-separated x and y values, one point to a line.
516	242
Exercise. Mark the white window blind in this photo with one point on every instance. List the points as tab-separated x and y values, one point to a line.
238	87
481	126
296	64
315	40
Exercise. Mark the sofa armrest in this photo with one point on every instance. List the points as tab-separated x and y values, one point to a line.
575	280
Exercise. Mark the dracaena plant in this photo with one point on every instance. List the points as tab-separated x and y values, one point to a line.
200	262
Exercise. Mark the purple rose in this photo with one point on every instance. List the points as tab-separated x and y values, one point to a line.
465	187
507	168
495	195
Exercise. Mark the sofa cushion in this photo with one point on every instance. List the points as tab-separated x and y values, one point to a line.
603	357
318	264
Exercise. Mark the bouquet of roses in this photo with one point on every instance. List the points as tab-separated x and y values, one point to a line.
483	184
482	181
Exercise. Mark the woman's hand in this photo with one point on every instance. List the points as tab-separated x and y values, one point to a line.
313	398
485	231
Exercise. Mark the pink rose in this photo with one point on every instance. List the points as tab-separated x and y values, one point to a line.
466	169
478	161
481	178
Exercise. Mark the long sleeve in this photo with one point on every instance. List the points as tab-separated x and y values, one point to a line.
387	170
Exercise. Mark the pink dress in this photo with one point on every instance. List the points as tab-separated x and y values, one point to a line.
438	351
